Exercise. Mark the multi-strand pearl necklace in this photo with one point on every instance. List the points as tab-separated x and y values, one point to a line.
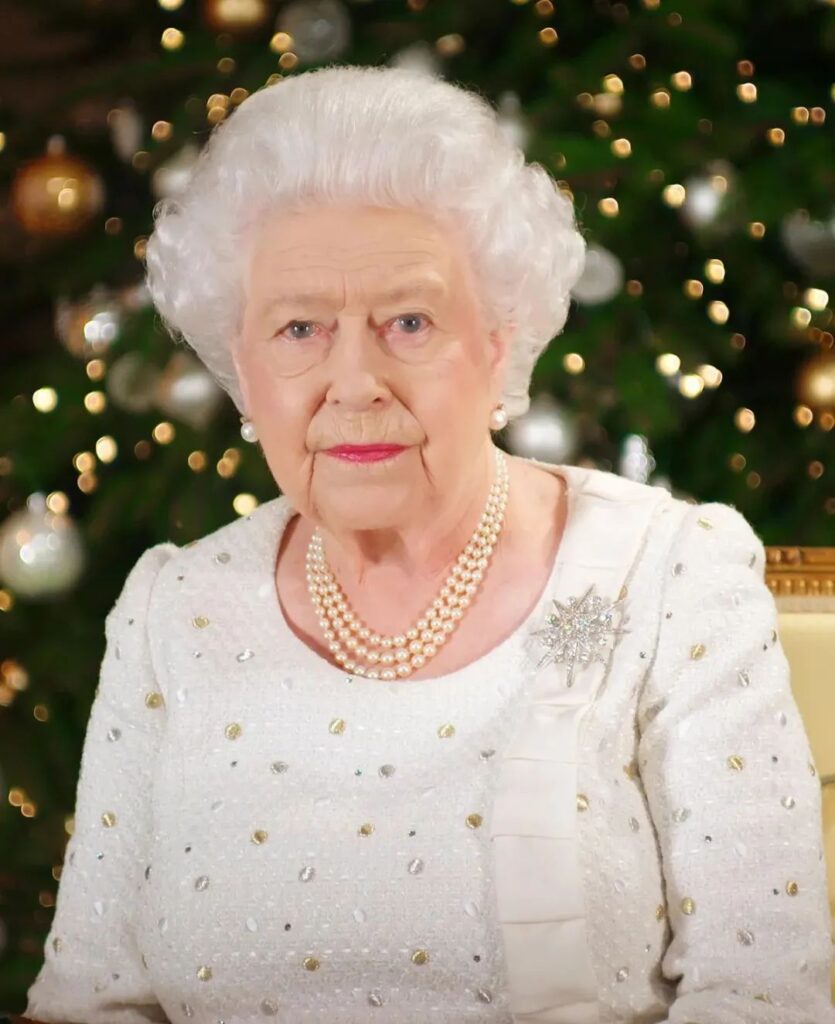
363	652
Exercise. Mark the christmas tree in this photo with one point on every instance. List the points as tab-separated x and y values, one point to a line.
698	355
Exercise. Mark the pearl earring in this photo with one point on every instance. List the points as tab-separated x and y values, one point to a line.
248	431
498	417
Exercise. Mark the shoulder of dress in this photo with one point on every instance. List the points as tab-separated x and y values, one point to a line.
241	544
714	540
613	487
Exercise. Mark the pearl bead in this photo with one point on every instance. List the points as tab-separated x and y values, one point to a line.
351	642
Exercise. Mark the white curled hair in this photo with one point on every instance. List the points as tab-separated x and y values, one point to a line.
381	136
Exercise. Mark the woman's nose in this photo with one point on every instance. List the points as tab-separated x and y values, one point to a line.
356	367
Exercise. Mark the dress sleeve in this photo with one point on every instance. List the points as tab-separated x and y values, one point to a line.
733	791
93	972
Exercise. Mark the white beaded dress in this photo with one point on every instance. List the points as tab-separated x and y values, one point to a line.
260	836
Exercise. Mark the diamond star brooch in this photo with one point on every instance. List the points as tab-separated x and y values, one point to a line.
576	631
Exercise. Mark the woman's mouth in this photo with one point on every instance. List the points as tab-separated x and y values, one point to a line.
365	452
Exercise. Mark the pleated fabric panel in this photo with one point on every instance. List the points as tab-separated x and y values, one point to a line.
539	886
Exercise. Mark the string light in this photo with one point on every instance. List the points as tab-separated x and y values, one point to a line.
45	399
243	504
172	39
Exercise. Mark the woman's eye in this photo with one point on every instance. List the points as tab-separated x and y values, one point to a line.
411	319
290	330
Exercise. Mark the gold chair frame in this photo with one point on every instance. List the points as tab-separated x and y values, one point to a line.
802	580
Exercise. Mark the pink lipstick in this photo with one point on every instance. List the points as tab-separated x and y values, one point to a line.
365	452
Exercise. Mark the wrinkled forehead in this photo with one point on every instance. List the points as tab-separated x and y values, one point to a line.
353	250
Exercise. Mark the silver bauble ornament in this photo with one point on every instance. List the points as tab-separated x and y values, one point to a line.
419	56
186	391
321	29
546	432
601	279
126	130
172	177
510	120
706	196
811	243
636	460
41	552
131	382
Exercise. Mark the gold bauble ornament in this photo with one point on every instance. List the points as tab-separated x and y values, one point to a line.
236	16
816	382
56	194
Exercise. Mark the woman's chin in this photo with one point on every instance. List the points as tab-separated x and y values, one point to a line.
373	508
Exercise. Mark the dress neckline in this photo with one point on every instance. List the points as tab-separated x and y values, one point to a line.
496	657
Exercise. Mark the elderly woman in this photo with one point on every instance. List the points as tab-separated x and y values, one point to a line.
438	734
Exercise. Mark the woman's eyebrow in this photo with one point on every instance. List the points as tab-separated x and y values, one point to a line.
431	287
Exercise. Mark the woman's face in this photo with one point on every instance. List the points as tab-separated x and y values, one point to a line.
362	326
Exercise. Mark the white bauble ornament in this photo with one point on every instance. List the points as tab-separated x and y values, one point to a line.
546	432
419	56
511	121
131	383
636	460
126	130
321	29
41	552
601	279
810	242
706	194
172	177
186	391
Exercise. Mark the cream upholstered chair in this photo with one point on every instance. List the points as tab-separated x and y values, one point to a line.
802	580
